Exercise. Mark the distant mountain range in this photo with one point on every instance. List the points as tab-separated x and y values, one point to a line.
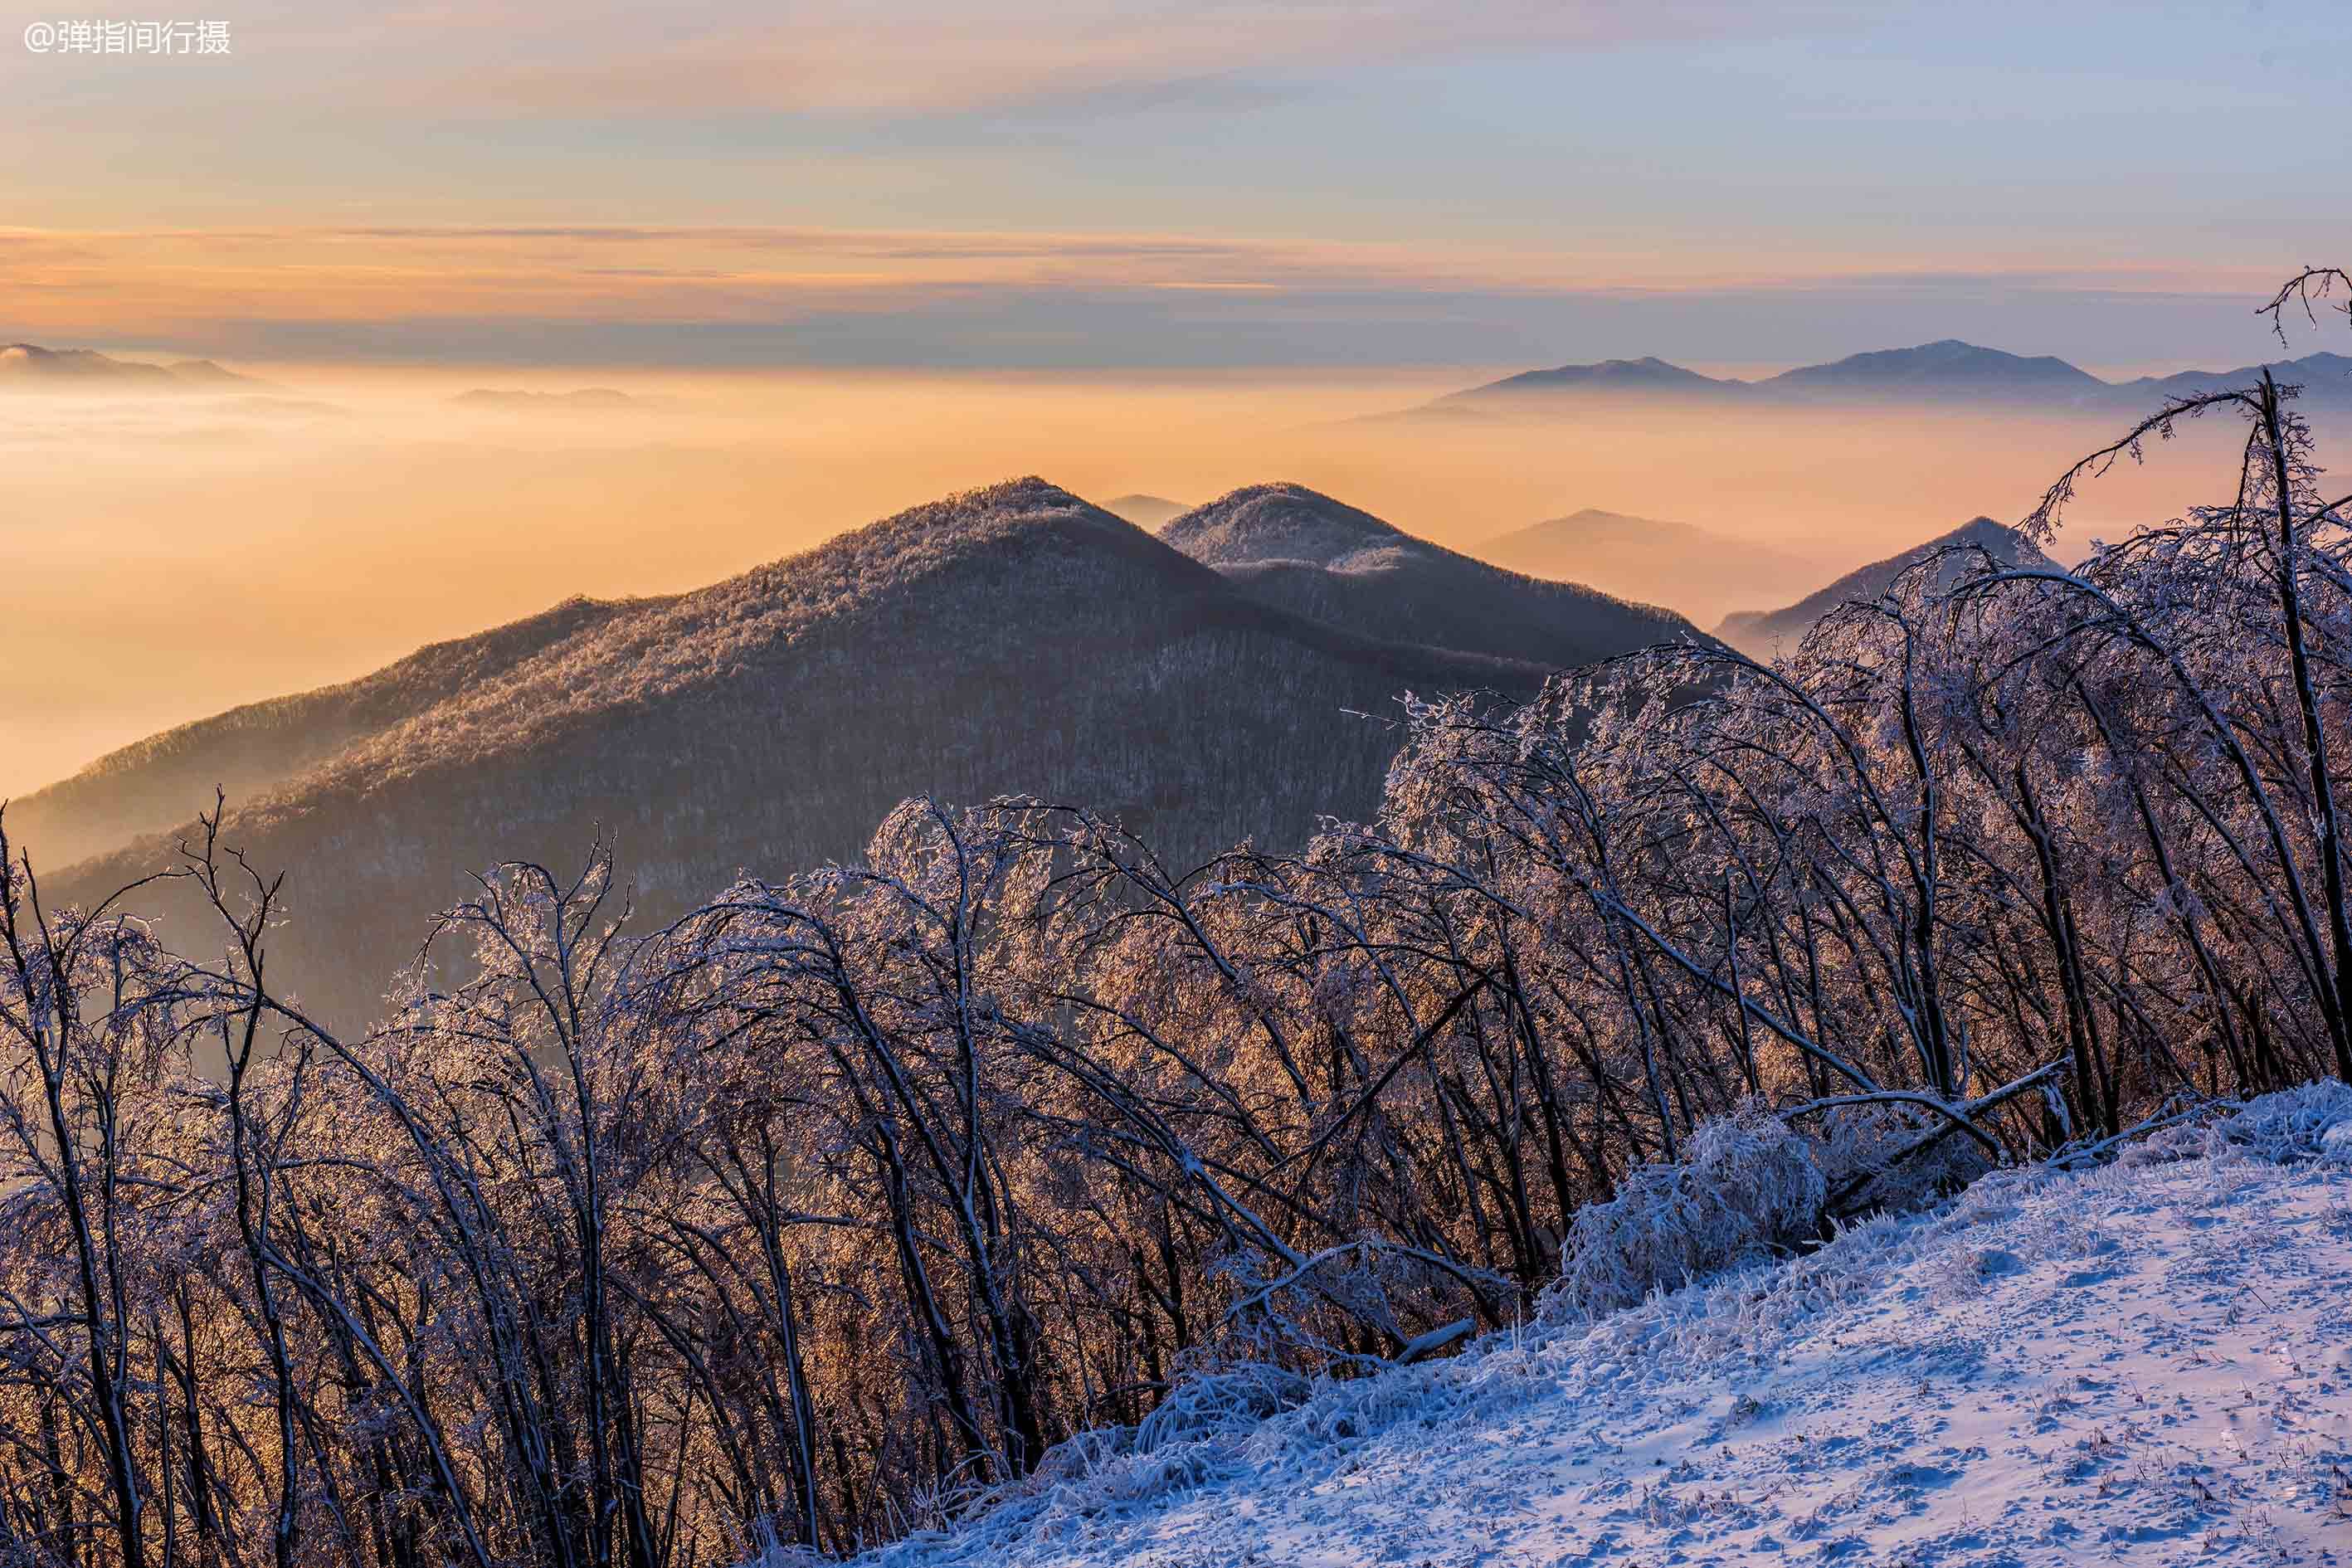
28	366
1610	376
1939	368
1947	371
1763	633
1697	570
586	398
1011	640
1144	511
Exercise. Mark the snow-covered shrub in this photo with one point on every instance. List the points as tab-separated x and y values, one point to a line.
1747	1185
2309	1122
1221	1404
1860	1142
2166	1145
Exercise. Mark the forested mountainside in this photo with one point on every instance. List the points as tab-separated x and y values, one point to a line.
157	783
1015	639
1301	550
1762	631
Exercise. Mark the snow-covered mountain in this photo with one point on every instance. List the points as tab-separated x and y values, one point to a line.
1762	632
2145	1363
1279	522
1309	553
1013	640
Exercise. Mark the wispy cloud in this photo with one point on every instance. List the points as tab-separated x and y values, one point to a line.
936	56
268	291
920	57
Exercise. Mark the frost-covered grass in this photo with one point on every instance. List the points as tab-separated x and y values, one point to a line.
2146	1362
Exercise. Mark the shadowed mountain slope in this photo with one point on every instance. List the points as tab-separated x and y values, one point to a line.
1304	552
1015	639
1760	632
157	783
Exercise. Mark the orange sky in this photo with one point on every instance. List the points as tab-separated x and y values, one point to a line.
1126	183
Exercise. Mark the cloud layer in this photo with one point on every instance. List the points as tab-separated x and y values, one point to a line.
693	295
901	57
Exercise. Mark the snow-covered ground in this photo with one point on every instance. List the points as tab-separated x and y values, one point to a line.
2149	1362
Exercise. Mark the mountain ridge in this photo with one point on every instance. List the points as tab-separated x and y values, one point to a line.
1948	368
1311	554
1279	520
23	364
1763	632
149	786
1699	571
1012	639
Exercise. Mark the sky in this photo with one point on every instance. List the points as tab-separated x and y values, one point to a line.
1129	184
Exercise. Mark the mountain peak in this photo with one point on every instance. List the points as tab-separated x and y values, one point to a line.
1648	374
1146	511
1028	493
510	397
1017	516
35	358
1281	521
203	370
1026	499
1011	639
2325	376
1979	528
32	363
1946	364
1648	560
1764	631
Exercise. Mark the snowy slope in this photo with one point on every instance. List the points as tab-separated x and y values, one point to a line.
2149	1362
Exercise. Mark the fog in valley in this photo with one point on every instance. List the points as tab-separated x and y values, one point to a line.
170	557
